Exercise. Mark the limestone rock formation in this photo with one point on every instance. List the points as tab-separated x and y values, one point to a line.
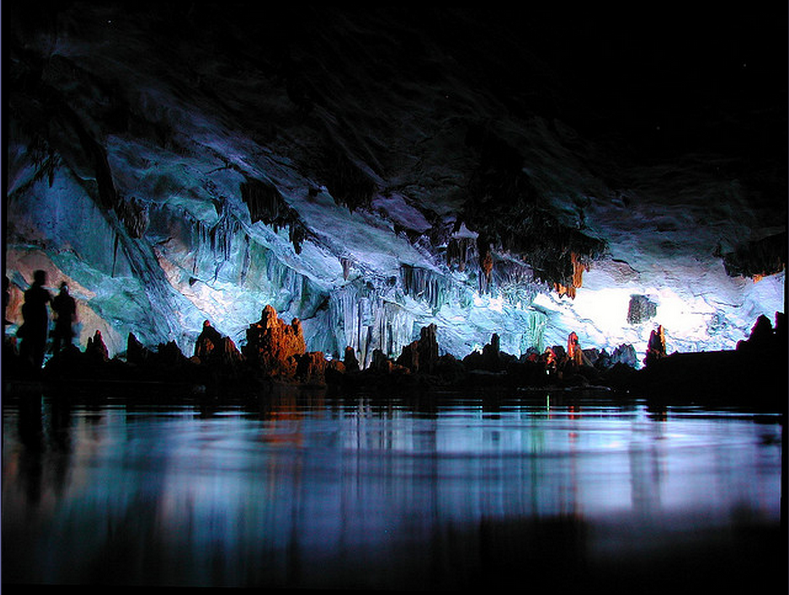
656	348
764	339
574	351
136	352
273	346
383	365
351	364
213	348
492	358
96	348
311	368
624	354
409	356
422	355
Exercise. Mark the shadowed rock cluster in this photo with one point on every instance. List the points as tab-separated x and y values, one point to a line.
276	353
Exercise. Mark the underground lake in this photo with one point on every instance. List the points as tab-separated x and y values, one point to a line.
310	490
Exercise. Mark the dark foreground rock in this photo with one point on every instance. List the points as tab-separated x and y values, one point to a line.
755	373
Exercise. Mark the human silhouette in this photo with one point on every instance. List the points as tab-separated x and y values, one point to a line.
65	310
36	321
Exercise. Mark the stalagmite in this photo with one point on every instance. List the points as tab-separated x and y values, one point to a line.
656	348
311	368
273	345
96	347
214	349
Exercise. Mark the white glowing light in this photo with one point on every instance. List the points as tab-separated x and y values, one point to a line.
496	304
606	308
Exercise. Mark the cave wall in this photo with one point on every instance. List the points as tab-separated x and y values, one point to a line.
174	167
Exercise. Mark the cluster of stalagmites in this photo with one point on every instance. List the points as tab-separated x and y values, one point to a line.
276	351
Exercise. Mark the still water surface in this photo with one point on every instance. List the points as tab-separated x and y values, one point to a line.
309	491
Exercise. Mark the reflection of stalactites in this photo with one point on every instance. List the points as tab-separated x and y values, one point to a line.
576	279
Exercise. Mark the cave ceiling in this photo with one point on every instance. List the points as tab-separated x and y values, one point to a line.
526	172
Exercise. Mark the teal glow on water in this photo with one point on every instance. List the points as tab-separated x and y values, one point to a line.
318	492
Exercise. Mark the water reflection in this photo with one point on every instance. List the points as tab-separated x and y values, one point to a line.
314	492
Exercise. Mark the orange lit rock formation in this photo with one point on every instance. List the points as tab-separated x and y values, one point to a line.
273	345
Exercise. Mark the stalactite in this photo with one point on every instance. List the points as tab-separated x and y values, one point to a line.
134	215
267	205
281	276
459	252
576	279
245	262
346	267
757	259
221	236
264	201
533	331
514	282
348	183
365	322
297	233
426	286
114	254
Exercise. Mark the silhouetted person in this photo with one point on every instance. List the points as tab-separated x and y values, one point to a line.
65	309
36	321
